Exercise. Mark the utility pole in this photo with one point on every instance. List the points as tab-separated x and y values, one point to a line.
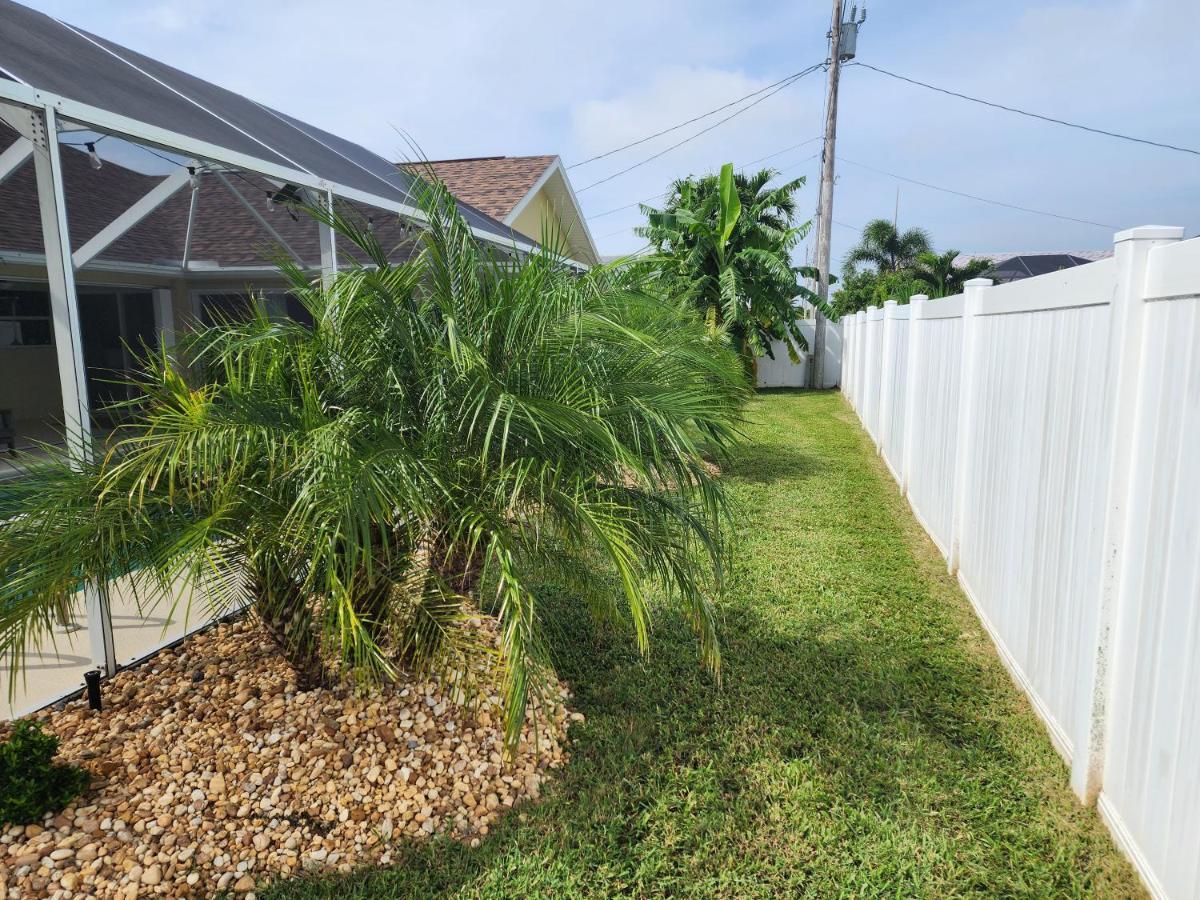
843	39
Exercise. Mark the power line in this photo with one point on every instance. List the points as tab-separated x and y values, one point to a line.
1032	115
935	187
692	137
664	196
743	167
711	112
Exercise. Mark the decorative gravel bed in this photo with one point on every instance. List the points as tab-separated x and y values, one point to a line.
211	772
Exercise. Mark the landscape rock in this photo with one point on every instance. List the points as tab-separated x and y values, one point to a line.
227	782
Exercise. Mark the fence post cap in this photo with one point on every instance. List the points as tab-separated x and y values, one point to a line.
918	297
1150	233
978	282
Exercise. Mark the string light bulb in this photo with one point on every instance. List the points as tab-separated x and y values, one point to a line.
93	156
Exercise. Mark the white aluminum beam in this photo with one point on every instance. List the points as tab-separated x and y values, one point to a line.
259	217
14	157
191	222
329	260
68	344
114	230
172	141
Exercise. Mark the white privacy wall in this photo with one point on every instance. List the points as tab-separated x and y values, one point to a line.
931	451
893	365
1047	435
782	372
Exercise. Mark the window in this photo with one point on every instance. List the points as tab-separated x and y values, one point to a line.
25	318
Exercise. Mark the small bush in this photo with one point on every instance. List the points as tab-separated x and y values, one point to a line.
31	784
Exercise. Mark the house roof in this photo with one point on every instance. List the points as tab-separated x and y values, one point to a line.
506	186
1015	266
225	234
493	184
1089	255
111	88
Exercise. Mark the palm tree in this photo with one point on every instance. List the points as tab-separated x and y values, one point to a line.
445	433
728	239
941	274
886	248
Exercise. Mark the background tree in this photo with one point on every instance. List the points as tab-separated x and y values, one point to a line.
889	265
944	278
887	249
727	239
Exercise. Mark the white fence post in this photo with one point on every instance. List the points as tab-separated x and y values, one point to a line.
916	309
848	338
859	349
1132	251
973	292
886	364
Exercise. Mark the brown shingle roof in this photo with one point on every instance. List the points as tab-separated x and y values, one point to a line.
493	184
223	231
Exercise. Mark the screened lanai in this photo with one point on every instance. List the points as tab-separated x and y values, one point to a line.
136	199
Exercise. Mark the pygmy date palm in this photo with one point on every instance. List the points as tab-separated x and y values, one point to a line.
445	433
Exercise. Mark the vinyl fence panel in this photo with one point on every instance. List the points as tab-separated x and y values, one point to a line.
930	461
892	402
1151	781
1047	435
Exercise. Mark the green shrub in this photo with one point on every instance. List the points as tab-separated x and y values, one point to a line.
31	784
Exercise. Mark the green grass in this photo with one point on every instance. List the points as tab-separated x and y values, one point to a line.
865	742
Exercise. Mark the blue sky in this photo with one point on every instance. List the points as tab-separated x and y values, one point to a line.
470	79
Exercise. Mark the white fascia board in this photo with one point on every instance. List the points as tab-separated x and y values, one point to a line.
14	157
555	166
38	260
174	142
156	197
531	193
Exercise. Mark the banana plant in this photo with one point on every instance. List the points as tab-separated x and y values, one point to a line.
728	238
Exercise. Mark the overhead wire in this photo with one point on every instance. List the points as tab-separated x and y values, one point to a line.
711	112
1024	112
692	137
994	202
743	167
740	168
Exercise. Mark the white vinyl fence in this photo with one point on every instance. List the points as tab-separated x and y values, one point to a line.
1047	435
782	372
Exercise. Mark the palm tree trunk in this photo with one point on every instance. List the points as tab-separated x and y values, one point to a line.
287	618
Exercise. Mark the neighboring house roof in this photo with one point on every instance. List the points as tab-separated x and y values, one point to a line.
527	193
1089	255
1015	266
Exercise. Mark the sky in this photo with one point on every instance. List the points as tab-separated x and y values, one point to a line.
581	78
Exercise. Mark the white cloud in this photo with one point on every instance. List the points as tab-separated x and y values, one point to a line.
579	78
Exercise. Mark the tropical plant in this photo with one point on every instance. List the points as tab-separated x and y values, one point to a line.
889	265
886	248
447	431
727	239
865	288
944	278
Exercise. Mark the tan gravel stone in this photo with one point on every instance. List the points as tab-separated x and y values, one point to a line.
236	779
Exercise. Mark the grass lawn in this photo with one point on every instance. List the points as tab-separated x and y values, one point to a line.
865	742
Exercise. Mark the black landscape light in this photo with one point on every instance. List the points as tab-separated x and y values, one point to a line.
92	680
